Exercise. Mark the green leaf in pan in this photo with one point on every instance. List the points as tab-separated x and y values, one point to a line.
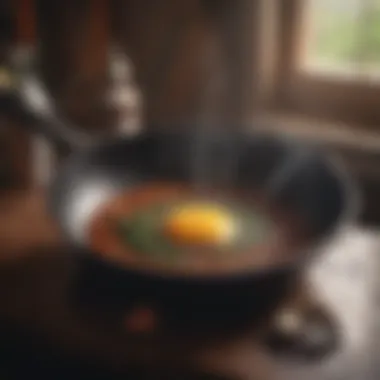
143	232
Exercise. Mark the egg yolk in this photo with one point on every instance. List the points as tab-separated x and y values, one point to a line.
199	224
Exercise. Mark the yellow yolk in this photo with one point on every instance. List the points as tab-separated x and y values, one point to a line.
200	224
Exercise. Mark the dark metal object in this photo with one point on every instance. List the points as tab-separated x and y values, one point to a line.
317	190
313	336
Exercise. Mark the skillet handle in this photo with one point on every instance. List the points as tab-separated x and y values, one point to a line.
28	102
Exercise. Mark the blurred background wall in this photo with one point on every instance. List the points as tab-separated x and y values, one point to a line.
306	68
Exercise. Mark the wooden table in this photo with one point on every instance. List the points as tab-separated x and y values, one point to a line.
36	273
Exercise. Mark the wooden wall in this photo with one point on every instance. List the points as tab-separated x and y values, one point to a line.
16	23
178	46
167	41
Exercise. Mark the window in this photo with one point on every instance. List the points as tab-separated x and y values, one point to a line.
343	38
329	62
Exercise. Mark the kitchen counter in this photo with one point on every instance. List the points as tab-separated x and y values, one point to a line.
36	274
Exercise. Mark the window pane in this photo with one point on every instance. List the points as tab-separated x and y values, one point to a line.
343	37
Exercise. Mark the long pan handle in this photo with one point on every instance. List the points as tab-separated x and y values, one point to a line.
29	103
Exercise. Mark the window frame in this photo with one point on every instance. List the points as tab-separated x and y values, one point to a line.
350	100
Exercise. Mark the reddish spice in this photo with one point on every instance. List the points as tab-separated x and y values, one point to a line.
141	320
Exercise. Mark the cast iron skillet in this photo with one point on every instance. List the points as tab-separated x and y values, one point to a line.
94	172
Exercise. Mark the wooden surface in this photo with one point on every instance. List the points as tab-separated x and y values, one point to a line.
36	273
